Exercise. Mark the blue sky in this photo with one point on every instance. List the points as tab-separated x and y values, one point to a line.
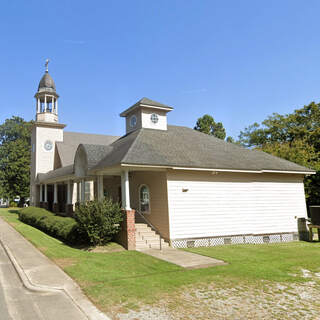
239	61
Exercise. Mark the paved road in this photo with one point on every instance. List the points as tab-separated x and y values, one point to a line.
22	304
3	306
51	293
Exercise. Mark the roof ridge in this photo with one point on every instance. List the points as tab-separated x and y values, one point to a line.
94	134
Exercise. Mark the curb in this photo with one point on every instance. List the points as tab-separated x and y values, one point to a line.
25	280
45	289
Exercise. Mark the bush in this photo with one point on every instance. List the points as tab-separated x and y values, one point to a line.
64	228
99	220
13	204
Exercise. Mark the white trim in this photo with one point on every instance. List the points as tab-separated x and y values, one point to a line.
125	189
154	107
144	166
144	212
217	170
136	106
55	193
295	172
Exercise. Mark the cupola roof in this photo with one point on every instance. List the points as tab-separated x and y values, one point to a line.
46	83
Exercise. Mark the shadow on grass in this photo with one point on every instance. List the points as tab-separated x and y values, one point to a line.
14	211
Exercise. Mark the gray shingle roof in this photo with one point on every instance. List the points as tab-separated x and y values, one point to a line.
47	82
185	147
61	172
150	102
71	140
95	153
145	102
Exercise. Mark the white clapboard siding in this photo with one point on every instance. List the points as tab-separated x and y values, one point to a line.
231	204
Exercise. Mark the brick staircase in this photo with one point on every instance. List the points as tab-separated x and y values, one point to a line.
146	238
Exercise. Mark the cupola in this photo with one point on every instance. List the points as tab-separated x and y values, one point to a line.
46	99
146	113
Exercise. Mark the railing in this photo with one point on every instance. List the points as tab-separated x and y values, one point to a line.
151	226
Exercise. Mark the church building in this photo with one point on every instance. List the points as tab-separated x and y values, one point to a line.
178	187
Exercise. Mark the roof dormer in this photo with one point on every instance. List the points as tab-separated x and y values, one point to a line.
146	114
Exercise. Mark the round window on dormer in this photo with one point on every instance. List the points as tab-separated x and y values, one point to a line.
154	118
133	121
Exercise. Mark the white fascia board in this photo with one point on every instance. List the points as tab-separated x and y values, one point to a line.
217	170
293	172
141	167
155	107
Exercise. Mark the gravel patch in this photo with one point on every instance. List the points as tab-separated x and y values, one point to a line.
268	300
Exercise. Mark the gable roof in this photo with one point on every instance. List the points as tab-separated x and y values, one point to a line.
71	140
185	147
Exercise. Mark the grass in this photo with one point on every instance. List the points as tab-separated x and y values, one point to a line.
128	278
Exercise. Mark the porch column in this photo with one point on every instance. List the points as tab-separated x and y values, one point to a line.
83	190
126	190
78	192
100	188
91	183
55	207
41	193
45	204
69	201
45	193
69	206
55	193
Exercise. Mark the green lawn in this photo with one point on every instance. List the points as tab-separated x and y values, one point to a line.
129	278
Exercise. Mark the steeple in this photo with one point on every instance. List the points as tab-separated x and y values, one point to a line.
46	99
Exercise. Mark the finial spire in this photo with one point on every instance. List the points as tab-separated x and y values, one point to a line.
46	65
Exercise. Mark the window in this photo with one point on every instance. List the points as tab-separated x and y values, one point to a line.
144	196
133	121
154	118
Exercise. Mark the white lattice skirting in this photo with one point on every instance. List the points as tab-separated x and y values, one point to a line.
239	239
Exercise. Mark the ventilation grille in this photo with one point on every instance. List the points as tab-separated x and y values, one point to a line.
251	239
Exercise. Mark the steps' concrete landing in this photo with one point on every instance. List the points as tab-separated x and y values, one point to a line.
184	259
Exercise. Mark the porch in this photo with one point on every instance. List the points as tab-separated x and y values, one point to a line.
142	195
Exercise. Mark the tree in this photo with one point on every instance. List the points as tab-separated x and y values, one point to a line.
294	137
206	124
230	139
15	141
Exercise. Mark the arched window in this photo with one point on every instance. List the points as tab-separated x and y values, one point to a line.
144	199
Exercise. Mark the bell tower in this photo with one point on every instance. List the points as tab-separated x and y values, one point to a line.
46	132
47	99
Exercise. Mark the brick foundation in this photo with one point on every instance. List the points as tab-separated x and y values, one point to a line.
55	207
69	210
127	236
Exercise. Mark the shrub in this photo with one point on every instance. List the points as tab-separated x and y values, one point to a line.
64	228
99	220
13	204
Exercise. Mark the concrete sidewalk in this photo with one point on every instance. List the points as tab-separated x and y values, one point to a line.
40	275
184	259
